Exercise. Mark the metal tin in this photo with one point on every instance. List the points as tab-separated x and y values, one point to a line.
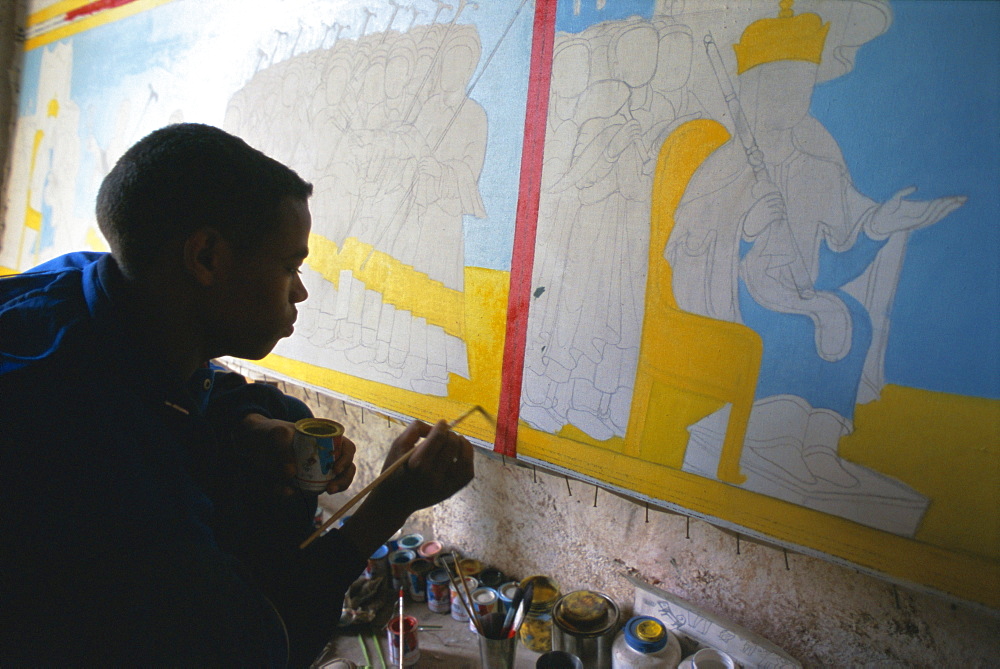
417	572
536	628
447	561
505	593
403	642
471	568
399	562
585	624
314	443
491	577
378	563
411	542
458	611
430	549
438	591
484	601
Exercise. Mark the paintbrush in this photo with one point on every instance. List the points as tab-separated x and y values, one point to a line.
515	603
381	477
529	595
402	641
465	605
465	586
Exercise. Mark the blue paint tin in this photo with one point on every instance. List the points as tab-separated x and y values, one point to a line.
505	593
438	591
411	542
378	563
399	564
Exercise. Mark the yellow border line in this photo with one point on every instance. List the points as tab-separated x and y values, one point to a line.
55	9
969	577
93	21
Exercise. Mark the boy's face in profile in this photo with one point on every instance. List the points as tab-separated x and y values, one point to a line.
257	299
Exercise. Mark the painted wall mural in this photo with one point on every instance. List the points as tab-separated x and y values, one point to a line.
736	259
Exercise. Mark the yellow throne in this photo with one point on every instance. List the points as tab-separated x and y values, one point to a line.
682	351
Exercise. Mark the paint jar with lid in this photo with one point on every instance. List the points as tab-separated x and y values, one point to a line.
470	568
645	642
584	623
438	591
411	542
536	629
491	577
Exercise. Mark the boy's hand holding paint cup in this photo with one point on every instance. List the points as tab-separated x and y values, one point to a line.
316	458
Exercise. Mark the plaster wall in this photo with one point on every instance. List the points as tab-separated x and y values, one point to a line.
528	521
11	12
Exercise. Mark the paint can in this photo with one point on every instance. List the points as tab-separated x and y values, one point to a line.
471	568
447	561
505	594
458	611
378	563
393	542
536	628
484	601
314	443
491	577
399	563
403	642
438	591
430	549
417	572
411	542
585	624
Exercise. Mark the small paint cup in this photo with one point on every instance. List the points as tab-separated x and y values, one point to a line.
458	611
491	577
378	563
438	591
411	542
709	658
315	442
505	594
484	601
471	567
447	561
418	571
403	641
399	563
430	549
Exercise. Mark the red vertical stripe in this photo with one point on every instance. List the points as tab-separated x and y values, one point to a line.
523	258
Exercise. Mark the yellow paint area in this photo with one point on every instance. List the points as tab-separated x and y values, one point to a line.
687	362
485	316
400	285
94	20
53	109
945	446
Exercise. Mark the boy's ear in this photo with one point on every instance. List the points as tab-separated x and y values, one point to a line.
205	255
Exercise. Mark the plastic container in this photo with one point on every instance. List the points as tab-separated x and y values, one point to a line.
645	642
584	623
536	629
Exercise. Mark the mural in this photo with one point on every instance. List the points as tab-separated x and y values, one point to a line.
736	259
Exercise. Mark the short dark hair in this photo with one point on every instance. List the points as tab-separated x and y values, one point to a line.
184	177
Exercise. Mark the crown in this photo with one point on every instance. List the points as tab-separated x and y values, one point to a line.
787	37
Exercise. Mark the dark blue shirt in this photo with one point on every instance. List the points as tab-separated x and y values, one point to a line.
133	528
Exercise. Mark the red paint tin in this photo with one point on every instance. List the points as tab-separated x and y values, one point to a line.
403	642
